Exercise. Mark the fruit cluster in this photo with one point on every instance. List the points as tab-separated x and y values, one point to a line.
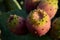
38	21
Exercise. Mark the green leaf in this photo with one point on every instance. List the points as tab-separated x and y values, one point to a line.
12	4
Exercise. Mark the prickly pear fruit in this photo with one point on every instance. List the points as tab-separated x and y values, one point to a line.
31	4
50	6
16	24
38	22
55	31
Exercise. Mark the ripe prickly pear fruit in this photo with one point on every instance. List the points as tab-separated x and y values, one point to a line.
55	31
16	24
31	4
38	22
50	6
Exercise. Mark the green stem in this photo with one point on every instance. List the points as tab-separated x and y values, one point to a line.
13	4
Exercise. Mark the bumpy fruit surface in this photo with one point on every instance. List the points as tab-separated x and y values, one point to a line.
16	24
55	31
50	6
31	4
38	22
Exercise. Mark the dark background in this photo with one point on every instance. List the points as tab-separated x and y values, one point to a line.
58	12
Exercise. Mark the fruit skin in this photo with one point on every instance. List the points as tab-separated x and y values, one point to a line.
55	31
16	24
38	22
31	4
50	6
